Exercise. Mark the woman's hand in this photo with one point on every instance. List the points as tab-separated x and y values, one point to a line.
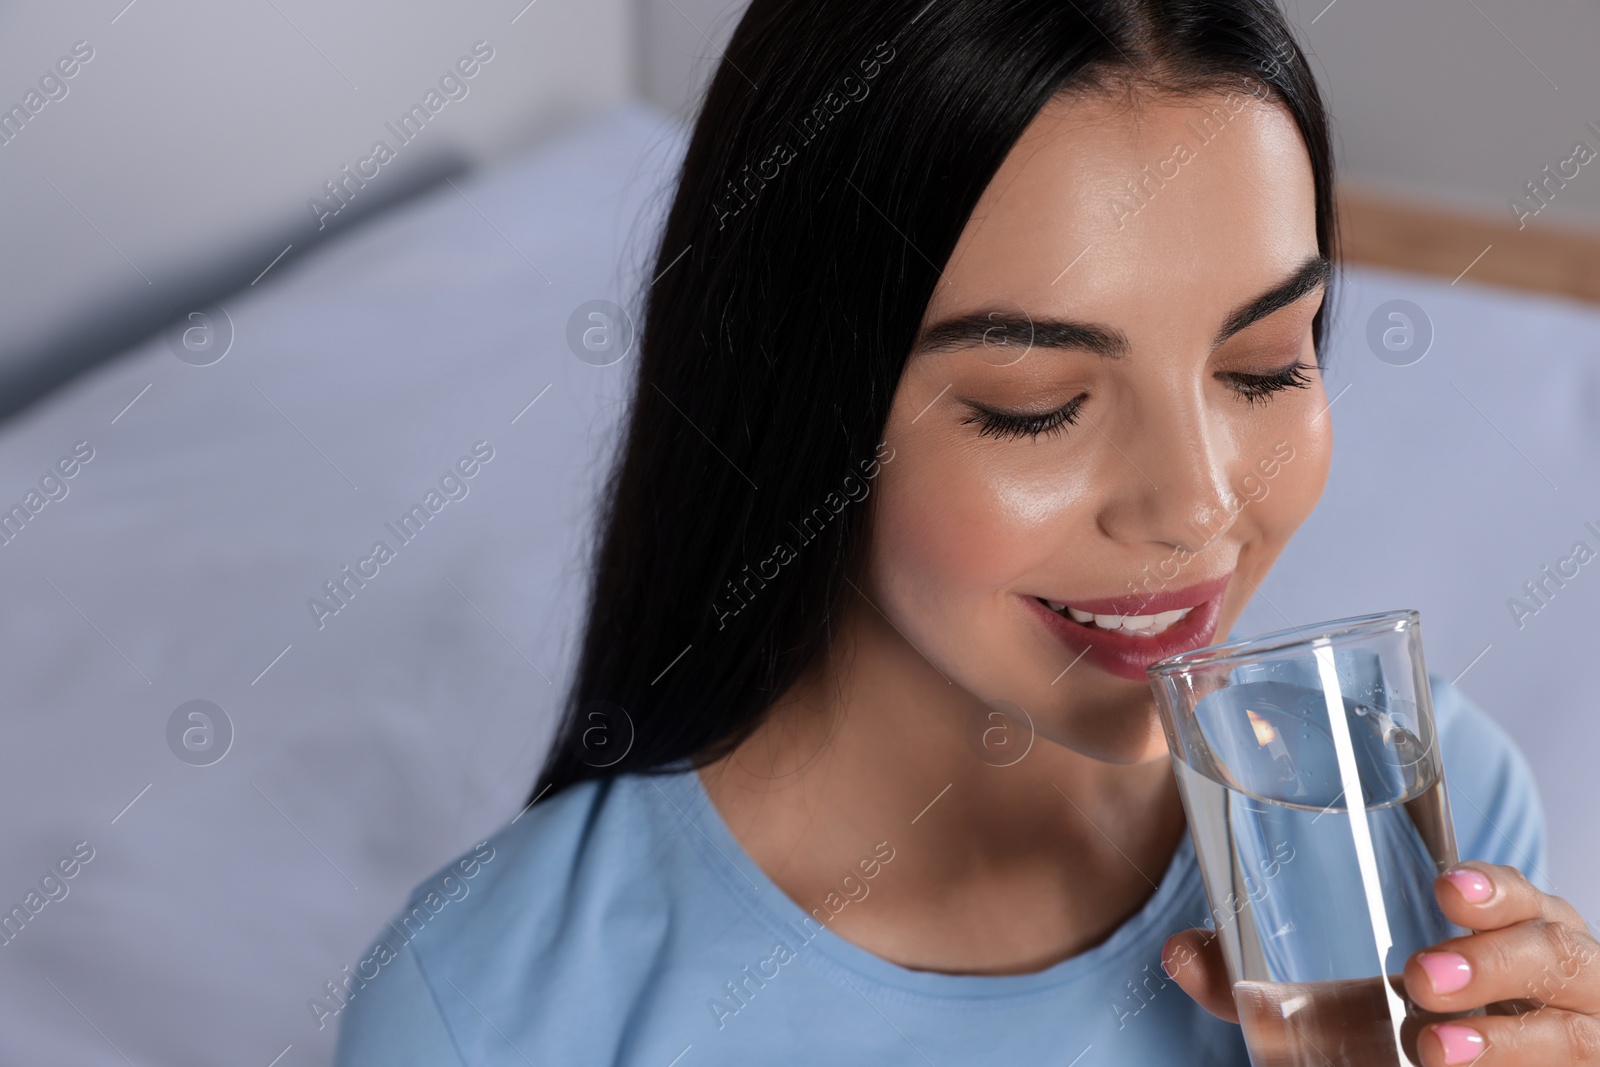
1532	963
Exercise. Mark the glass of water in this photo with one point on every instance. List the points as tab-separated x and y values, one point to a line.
1309	769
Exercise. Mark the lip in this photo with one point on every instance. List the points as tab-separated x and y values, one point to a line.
1126	655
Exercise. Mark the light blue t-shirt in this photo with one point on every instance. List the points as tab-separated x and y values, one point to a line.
620	922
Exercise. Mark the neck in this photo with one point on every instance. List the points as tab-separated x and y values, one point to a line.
876	746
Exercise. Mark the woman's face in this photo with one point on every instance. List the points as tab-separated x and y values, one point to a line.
1113	408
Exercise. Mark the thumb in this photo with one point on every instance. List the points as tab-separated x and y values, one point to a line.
1193	959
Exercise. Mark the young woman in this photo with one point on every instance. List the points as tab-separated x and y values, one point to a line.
983	370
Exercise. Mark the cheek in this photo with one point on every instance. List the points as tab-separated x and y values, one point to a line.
1292	494
923	549
960	522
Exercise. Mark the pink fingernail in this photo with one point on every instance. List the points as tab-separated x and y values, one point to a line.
1447	971
1472	883
1462	1044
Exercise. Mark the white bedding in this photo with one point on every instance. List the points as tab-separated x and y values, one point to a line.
179	564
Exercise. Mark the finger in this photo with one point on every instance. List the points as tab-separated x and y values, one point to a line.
1547	1036
1542	960
1486	896
1193	959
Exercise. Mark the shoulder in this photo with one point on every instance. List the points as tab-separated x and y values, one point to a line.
570	884
1494	800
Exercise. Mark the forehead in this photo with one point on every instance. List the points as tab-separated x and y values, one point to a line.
1134	207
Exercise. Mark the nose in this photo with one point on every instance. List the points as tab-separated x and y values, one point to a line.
1167	479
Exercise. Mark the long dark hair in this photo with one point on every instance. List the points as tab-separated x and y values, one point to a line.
840	150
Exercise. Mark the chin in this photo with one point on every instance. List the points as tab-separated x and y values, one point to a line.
1123	733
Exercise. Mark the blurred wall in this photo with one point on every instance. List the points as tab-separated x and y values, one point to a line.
680	44
183	153
1462	105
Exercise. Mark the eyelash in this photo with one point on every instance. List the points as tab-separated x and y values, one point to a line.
1004	424
1255	387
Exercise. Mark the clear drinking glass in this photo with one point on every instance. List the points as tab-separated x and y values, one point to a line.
1310	774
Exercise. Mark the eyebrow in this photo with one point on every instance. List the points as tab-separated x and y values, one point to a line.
975	329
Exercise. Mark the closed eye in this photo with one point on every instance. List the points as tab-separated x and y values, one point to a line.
1253	387
1007	424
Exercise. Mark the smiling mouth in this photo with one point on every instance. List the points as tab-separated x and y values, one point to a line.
1136	625
1125	644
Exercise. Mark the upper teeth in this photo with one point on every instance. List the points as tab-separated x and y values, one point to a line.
1143	624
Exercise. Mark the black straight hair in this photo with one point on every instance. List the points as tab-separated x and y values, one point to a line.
840	149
